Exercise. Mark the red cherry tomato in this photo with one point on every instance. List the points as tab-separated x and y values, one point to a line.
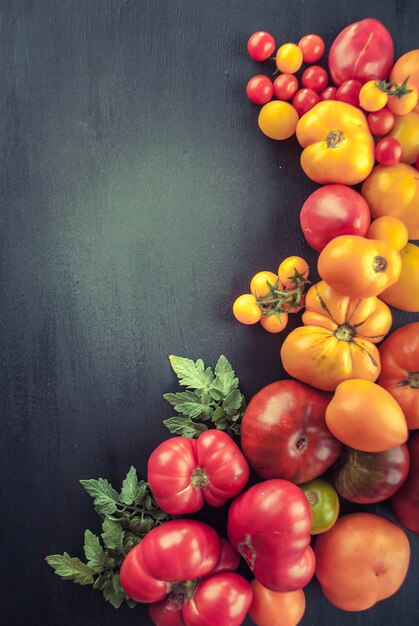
259	89
315	78
348	92
388	151
329	93
285	86
261	45
381	122
312	47
304	100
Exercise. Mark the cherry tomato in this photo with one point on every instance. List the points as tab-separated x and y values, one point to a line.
289	58
348	92
288	269
388	151
381	122
260	46
304	100
371	97
273	323
403	104
259	89
329	93
312	47
278	119
246	310
285	86
324	504
261	282
315	78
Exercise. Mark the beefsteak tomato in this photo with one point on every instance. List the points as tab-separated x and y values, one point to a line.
405	503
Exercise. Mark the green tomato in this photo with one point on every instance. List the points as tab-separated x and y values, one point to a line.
324	504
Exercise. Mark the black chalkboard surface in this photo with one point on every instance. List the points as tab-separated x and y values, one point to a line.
138	197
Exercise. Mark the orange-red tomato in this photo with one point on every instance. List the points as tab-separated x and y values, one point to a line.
407	65
406	103
273	608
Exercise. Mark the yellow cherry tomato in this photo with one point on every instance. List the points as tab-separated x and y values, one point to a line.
391	229
371	97
246	309
278	119
405	103
404	294
289	268
274	323
261	282
406	131
289	58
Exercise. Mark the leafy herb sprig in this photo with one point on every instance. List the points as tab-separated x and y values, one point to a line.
126	518
212	398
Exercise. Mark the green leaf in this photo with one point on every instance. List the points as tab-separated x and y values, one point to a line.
129	487
225	379
142	491
218	414
113	591
113	534
233	402
186	402
71	568
131	603
101	580
190	373
104	495
184	426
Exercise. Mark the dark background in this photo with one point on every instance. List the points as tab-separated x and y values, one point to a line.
138	198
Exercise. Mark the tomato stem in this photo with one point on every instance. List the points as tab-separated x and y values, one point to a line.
334	138
278	301
379	264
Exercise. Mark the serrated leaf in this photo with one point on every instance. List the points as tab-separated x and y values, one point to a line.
71	568
113	534
131	603
186	402
184	426
218	414
233	402
96	556
192	374
113	592
142	490
101	580
129	487
225	379
104	495
141	526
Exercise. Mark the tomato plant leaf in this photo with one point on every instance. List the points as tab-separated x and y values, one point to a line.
113	592
113	534
233	402
191	374
71	568
186	402
184	426
129	487
97	558
105	497
225	379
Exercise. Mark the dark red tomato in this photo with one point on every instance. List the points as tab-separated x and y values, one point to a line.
284	433
363	50
333	210
405	502
269	524
315	78
328	94
259	89
348	92
304	100
381	122
229	558
183	472
312	47
261	46
368	477
285	86
388	151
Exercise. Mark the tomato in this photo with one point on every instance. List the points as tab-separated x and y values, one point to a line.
400	370
260	46
406	131
324	504
404	294
405	503
371	97
331	211
405	102
328	94
312	47
246	309
364	416
285	86
348	92
273	608
290	269
184	473
269	525
274	323
289	58
304	100
262	282
315	78
229	559
284	434
359	267
278	119
407	65
391	229
363	50
362	559
388	151
381	122
259	89
368	477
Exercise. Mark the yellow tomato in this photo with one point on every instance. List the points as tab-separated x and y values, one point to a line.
371	97
404	294
246	309
406	131
289	58
274	323
278	119
407	65
391	229
261	283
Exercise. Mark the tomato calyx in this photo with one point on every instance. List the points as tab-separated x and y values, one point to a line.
334	138
278	301
393	89
345	332
379	264
182	591
312	497
411	381
199	478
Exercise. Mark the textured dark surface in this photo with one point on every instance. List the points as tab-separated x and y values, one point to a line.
137	199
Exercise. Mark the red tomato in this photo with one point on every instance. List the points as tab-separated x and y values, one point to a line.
363	50
388	151
269	524
285	86
229	558
328	94
312	47
381	122
284	433
315	78
304	100
405	503
333	210
183	473
259	89
348	92
260	46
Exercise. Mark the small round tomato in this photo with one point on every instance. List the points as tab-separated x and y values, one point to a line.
315	78
403	104
391	229
381	122
372	97
259	89
262	282
278	119
291	269
289	58
274	323
329	93
304	100
388	151
285	86
312	47
276	608
260	46
324	504
348	92
246	309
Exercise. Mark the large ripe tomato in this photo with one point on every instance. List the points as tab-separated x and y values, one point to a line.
284	434
405	503
273	608
183	473
400	370
333	210
363	50
362	559
404	294
269	525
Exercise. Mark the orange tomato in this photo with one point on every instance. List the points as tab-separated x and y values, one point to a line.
391	229
261	282
274	323
405	103
404	294
289	268
407	65
278	119
406	131
361	560
364	416
246	309
273	608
